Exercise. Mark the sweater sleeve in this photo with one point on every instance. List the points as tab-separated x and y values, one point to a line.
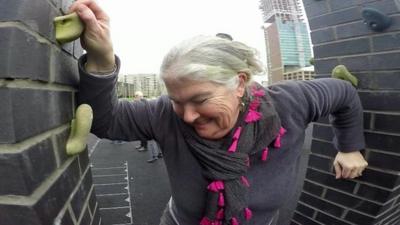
335	98
113	118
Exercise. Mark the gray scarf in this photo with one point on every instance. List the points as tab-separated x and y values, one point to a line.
230	167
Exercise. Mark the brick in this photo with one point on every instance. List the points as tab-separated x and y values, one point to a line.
64	68
330	181
320	163
354	29
343	48
335	18
23	172
338	5
79	198
384	142
33	112
386	42
389	61
22	55
384	161
323	148
17	215
326	219
304	220
373	193
313	188
61	142
388	215
50	204
381	80
381	179
353	202
325	66
323	132
380	101
305	210
387	123
66	219
367	120
321	204
358	218
322	35
356	63
36	14
316	9
385	6
324	120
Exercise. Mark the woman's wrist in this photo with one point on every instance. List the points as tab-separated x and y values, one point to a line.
100	65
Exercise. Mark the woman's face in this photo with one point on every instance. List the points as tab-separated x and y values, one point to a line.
211	109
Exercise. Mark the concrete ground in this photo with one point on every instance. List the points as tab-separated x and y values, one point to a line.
129	190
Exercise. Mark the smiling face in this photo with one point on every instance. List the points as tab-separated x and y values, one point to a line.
211	109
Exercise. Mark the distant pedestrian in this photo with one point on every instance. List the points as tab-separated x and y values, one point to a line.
155	151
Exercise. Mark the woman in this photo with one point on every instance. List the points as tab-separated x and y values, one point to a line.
230	146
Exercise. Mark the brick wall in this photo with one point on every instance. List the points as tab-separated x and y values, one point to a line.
339	36
39	184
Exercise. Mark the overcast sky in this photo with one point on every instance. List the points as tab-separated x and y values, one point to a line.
143	31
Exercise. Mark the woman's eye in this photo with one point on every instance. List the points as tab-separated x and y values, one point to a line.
200	101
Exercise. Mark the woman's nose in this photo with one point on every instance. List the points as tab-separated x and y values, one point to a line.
189	114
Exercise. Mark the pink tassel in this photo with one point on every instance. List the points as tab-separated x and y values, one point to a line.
212	187
247	213
233	146
254	104
265	154
218	222
277	143
219	185
252	116
221	201
216	185
236	135
245	181
258	93
234	221
220	214
205	221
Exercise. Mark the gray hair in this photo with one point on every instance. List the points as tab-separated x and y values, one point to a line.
210	58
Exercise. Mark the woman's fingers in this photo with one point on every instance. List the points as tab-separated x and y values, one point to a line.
349	165
93	6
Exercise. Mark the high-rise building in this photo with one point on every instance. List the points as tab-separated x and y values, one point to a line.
286	37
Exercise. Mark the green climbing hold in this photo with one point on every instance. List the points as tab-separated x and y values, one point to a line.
68	28
341	72
311	61
80	129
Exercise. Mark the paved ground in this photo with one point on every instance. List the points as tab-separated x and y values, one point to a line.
129	190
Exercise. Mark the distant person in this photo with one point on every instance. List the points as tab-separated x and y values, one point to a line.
155	151
224	36
231	147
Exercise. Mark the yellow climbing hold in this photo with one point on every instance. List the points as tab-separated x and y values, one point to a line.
80	129
341	72
68	28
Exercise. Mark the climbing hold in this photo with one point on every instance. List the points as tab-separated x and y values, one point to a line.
341	72
80	129
375	19
68	28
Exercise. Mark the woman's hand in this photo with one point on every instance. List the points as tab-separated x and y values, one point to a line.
349	165
96	38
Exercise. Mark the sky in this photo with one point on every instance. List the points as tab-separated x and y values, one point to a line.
143	31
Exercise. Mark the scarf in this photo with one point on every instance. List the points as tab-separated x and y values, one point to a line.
225	165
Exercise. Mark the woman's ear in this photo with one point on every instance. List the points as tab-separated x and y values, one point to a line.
242	84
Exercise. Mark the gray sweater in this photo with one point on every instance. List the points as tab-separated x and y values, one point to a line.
272	182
